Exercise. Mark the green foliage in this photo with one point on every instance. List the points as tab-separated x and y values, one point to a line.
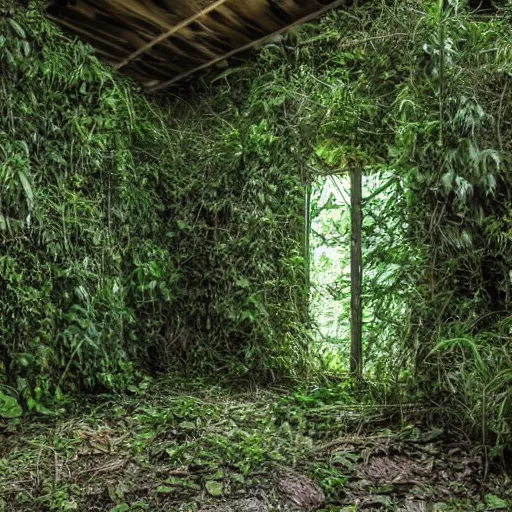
457	151
9	407
420	92
63	309
417	92
135	233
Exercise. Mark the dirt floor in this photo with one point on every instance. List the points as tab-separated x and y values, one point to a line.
169	447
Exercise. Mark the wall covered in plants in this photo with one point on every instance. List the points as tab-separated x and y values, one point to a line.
136	233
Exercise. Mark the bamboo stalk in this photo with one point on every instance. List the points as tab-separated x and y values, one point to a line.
169	33
248	46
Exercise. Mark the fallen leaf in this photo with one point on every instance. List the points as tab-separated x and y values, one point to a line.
214	488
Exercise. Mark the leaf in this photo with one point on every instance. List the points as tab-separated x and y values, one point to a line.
182	483
432	434
9	407
495	502
17	28
115	493
140	505
383	500
41	409
27	188
164	489
214	488
123	507
237	477
447	181
344	461
219	475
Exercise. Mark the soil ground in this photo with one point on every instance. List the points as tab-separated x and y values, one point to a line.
173	447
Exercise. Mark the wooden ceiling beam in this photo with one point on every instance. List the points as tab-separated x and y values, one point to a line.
211	36
248	46
169	33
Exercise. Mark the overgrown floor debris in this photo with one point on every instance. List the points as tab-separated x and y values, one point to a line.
172	448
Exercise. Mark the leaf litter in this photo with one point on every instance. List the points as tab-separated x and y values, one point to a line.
212	450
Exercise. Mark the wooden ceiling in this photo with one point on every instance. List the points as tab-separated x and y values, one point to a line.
162	42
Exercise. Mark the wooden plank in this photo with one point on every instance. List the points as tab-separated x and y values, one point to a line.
252	44
356	274
169	33
307	242
112	45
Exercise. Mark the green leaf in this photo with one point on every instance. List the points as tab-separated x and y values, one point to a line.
431	435
41	409
214	488
17	28
237	477
182	483
9	407
27	188
123	507
219	475
495	502
164	489
188	425
343	460
140	505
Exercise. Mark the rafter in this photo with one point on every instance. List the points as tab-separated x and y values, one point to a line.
252	44
169	33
